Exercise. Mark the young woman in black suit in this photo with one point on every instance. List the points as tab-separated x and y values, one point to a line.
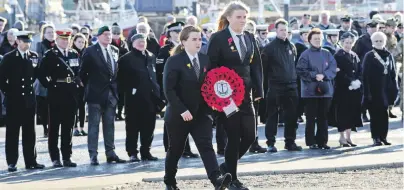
187	112
238	50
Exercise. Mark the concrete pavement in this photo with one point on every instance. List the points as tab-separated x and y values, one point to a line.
86	176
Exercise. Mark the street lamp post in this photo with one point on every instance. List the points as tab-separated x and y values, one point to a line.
286	4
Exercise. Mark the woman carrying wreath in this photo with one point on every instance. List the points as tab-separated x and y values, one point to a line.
236	49
187	112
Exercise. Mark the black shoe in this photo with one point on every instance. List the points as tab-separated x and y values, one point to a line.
69	163
115	159
94	162
83	133
119	117
172	187
12	168
237	185
57	164
257	149
391	115
313	147
377	142
272	149
324	146
148	157
35	166
300	119
220	152
76	133
293	147
223	182
189	155
223	168
351	144
365	118
384	141
134	159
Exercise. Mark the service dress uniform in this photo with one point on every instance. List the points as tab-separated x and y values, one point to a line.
58	73
18	71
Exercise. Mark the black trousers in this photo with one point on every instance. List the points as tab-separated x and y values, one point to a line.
256	108
166	142
221	137
284	98
62	116
24	118
379	121
240	130
317	112
139	122
201	130
81	110
121	102
42	111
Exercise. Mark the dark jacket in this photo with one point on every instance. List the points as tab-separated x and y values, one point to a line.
16	80
97	78
249	69
315	61
55	66
137	79
278	60
153	46
379	89
161	59
6	47
362	46
182	88
122	46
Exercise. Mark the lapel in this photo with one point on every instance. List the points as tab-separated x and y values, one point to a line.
114	54
100	54
231	44
202	65
189	64
250	48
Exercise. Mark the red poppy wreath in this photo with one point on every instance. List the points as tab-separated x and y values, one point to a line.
222	87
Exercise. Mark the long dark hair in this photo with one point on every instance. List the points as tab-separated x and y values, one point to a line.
43	29
184	35
77	36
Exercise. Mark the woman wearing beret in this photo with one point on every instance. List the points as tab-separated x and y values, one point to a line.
317	69
347	101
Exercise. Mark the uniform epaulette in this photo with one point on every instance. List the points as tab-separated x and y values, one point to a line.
73	51
159	61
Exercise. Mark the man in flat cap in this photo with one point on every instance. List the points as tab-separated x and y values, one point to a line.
391	46
18	71
58	73
306	21
364	45
137	79
98	72
346	26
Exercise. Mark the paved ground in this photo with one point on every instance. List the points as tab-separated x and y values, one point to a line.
379	178
283	162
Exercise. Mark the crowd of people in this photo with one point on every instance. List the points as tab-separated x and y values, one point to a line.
331	75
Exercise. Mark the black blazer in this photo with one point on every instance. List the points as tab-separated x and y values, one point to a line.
182	88
137	71
95	75
223	52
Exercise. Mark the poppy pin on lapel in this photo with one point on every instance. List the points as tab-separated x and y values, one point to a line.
189	65
204	69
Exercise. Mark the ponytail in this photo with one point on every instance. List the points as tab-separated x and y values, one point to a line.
177	50
222	23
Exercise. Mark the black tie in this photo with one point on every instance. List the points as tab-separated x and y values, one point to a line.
196	67
109	61
243	50
25	56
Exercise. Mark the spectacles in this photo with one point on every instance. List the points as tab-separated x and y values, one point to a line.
116	33
85	34
264	33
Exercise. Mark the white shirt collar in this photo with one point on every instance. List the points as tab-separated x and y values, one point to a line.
191	57
233	33
103	48
22	52
62	50
175	43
